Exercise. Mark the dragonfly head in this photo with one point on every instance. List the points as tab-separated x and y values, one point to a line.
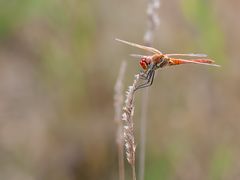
144	63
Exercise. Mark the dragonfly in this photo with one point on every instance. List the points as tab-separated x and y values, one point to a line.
150	63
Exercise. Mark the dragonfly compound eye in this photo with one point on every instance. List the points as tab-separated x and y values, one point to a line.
143	63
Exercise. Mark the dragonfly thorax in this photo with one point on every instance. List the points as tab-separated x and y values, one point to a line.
161	61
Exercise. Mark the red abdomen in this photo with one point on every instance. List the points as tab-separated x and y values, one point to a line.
174	61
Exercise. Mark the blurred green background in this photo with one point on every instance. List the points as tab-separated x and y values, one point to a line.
58	66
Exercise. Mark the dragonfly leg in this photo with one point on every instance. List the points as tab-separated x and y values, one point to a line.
146	75
148	82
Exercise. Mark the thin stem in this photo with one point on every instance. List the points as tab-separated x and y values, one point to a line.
153	22
118	101
143	127
121	168
133	172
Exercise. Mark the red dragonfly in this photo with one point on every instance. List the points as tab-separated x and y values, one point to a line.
159	60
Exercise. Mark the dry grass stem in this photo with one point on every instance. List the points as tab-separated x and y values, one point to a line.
153	20
128	128
118	93
153	23
118	102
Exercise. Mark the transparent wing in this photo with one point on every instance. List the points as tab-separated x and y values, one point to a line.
146	48
190	54
138	55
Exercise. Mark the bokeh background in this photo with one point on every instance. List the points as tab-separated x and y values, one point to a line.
58	66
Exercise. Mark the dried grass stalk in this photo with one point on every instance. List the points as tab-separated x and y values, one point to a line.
153	23
118	102
128	128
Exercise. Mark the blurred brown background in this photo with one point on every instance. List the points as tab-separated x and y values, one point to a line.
58	66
